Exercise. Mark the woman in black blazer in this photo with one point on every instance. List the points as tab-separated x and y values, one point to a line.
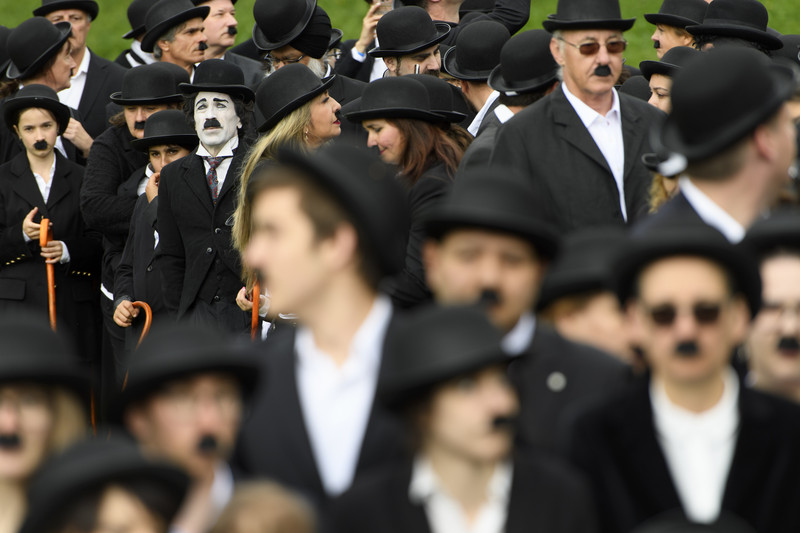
41	183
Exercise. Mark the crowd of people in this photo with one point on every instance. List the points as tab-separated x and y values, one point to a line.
449	276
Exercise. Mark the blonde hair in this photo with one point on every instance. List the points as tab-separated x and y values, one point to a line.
265	507
70	423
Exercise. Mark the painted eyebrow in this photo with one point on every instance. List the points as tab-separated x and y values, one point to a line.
223	100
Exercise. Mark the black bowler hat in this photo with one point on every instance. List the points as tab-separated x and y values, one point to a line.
587	15
219	76
584	264
790	50
638	87
166	127
496	198
198	2
781	230
279	22
672	61
669	165
687	239
526	64
440	94
4	59
33	353
36	95
406	30
90	466
48	6
137	11
707	90
336	38
285	90
368	190
401	97
32	44
434	345
165	15
148	84
679	13
477	51
181	350
742	19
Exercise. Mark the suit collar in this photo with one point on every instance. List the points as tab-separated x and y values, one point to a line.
27	188
573	131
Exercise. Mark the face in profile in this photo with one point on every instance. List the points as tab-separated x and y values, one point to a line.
387	138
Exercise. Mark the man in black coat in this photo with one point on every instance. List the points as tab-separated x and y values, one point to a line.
486	243
135	56
692	437
582	145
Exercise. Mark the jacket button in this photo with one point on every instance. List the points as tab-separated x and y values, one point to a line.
217	231
216	298
149	268
209	250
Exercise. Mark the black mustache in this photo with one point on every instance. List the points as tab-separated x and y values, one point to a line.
504	422
489	297
211	123
602	70
687	349
138	125
40	145
208	445
10	442
656	44
202	46
232	30
789	343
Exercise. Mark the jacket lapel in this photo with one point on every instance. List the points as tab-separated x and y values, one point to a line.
25	185
94	82
233	176
632	136
194	174
573	131
60	186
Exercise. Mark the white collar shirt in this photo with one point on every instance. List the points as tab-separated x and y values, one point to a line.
337	401
698	447
221	492
139	55
711	213
45	186
225	165
445	514
503	113
71	96
475	125
520	337
607	134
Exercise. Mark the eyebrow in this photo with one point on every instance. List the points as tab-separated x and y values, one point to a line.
223	100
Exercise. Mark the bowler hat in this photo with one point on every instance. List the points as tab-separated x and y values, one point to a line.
687	239
336	38
32	44
198	2
368	190
781	230
679	13
36	95
526	64
584	264
477	51
495	198
638	87
434	345
671	62
165	15
440	94
148	84
166	127
401	97
668	164
285	90
742	19
48	6
219	76
181	350
587	15
279	22
33	353
91	465
707	91
137	11
4	59
790	49
406	30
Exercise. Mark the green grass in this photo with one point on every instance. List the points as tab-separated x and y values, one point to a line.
347	14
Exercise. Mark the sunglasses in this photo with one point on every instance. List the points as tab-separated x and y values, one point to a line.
590	49
705	313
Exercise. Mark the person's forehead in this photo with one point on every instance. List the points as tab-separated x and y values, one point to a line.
780	273
162	147
487	238
590	35
193	24
34	114
285	51
226	5
425	52
208	96
201	380
682	275
66	13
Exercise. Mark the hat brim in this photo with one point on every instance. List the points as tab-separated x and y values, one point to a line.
649	68
499	83
152	35
132	34
12	72
560	284
552	25
119	100
88	6
15	105
280	114
442	30
675	21
234	90
770	42
353	112
450	66
265	45
451	116
336	38
181	139
669	135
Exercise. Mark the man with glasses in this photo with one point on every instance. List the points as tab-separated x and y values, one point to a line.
582	144
691	438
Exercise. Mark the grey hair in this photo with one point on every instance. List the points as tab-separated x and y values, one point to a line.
318	67
558	35
169	36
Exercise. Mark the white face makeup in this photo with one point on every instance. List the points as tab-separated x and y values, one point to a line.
215	119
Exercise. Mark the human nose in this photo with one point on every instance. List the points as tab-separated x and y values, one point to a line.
335	105
9	416
790	321
654	36
490	272
603	56
372	140
652	101
141	116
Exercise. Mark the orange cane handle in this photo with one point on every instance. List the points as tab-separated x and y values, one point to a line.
254	313
148	320
45	236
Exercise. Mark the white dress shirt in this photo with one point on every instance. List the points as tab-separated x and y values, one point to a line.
225	165
475	125
607	134
520	337
71	96
698	447
221	492
445	514
136	48
337	401
503	113
710	212
44	188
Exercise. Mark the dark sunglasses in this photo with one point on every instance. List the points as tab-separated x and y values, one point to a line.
590	49
704	313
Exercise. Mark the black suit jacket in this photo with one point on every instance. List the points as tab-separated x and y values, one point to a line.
479	152
545	496
252	69
513	14
357	70
548	142
274	442
676	209
546	410
103	79
615	444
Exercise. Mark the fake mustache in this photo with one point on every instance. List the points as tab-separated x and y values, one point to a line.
202	46
10	442
602	70
211	123
208	445
232	30
504	422
789	344
489	297
138	125
656	44
687	349
40	145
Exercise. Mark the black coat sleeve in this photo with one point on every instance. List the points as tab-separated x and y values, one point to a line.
170	255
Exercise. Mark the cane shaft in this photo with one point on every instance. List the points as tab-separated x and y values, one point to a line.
45	236
254	322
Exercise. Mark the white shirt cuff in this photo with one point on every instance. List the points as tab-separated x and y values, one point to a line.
358	56
65	257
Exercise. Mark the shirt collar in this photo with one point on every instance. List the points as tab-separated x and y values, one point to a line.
476	122
519	338
425	483
711	213
52	169
586	113
227	149
83	68
503	113
136	48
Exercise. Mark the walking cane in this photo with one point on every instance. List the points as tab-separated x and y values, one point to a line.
148	321
254	313
45	236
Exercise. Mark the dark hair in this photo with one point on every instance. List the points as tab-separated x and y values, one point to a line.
244	110
426	144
